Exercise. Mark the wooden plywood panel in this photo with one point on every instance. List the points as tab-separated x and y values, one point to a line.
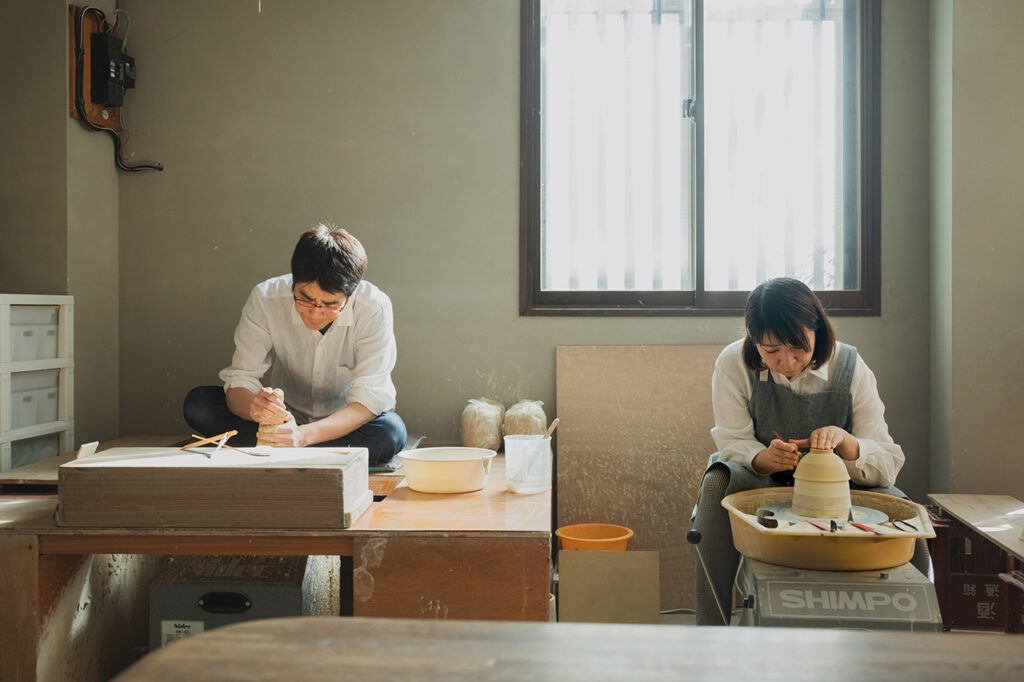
19	597
473	577
633	442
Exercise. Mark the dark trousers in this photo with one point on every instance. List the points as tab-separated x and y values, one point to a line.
206	411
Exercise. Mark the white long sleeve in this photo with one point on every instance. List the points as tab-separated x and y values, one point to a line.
880	458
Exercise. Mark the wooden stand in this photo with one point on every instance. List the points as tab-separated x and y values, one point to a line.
484	555
978	556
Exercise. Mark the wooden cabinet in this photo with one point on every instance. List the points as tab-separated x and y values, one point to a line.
36	378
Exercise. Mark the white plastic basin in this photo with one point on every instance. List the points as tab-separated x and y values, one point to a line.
447	469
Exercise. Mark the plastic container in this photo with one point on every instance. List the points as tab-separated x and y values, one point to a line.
30	381
23	342
446	469
46	405
32	450
528	463
802	546
598	536
46	341
24	409
33	314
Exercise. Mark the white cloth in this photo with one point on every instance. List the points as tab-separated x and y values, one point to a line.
880	458
319	373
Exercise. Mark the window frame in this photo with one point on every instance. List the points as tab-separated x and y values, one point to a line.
865	301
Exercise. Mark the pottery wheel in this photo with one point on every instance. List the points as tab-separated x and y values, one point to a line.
783	511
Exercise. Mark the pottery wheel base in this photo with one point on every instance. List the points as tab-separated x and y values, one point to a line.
783	511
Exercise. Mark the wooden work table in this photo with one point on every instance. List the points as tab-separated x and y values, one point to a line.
370	649
481	555
1000	518
978	555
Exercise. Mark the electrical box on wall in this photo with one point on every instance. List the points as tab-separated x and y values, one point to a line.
84	26
113	71
101	72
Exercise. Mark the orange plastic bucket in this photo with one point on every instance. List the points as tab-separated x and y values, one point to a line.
600	536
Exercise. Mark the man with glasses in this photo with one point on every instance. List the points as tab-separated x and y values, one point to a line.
325	337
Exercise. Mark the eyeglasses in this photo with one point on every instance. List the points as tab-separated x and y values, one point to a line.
313	305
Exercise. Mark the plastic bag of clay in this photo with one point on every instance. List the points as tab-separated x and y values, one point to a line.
525	417
481	423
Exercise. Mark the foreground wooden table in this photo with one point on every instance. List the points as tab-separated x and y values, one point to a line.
369	649
481	555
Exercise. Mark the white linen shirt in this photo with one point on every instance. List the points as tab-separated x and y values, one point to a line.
880	458
319	373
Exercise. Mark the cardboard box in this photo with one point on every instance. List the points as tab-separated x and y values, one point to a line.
608	587
172	488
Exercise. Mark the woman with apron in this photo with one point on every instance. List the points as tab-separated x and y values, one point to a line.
787	385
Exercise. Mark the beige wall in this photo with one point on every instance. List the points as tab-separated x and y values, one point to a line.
58	194
941	180
33	246
399	121
92	256
987	242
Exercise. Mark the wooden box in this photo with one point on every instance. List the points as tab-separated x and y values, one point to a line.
172	488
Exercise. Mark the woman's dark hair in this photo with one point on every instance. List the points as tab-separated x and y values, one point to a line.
331	257
782	309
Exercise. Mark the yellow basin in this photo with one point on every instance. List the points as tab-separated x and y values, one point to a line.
801	545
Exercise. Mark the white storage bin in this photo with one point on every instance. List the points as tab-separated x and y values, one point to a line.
32	450
24	410
23	342
46	405
46	341
33	314
31	381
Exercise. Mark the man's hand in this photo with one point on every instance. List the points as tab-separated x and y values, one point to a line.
778	456
286	435
267	407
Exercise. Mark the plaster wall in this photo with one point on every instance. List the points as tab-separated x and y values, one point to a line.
987	240
33	195
941	369
400	122
92	235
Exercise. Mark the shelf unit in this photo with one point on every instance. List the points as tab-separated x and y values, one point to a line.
21	344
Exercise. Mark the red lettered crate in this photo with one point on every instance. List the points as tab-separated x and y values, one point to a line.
971	592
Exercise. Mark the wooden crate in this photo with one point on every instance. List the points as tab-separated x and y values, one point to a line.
171	488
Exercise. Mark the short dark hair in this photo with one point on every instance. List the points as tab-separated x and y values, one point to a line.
783	309
331	257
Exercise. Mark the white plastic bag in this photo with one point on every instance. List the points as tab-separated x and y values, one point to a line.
525	417
481	423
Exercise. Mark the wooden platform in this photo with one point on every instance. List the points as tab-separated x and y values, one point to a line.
42	476
133	487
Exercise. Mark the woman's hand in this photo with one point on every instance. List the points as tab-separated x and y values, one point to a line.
832	438
778	456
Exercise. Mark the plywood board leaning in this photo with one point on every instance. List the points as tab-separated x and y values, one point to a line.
170	488
633	443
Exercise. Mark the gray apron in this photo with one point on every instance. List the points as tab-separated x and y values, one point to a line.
774	407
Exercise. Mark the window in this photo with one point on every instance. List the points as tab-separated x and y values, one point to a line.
677	152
